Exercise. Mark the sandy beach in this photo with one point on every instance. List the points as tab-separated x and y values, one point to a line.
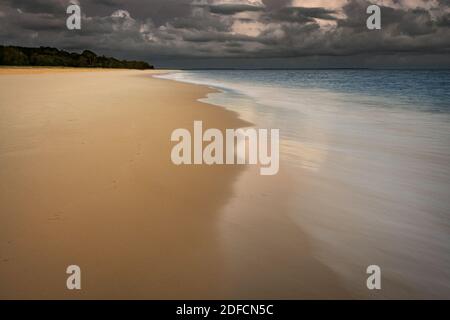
86	179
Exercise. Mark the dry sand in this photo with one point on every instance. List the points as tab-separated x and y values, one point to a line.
86	179
42	70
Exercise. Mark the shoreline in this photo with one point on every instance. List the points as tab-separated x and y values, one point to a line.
86	179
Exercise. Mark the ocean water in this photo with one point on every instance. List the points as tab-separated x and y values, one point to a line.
369	154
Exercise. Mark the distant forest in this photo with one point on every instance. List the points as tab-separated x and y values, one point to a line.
52	57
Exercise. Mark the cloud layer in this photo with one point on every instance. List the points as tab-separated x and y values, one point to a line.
210	31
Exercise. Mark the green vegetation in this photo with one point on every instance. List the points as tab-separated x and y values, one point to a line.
45	56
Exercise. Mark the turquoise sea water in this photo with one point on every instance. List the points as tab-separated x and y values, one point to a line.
369	154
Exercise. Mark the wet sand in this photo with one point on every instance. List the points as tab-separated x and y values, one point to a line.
86	179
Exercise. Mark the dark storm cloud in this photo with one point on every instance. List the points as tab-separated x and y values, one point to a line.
39	6
230	8
411	22
159	11
209	37
240	30
277	4
444	21
37	22
301	14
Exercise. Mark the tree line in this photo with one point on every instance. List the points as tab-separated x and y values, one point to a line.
52	57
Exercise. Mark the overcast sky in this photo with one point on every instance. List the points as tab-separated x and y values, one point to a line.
240	33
